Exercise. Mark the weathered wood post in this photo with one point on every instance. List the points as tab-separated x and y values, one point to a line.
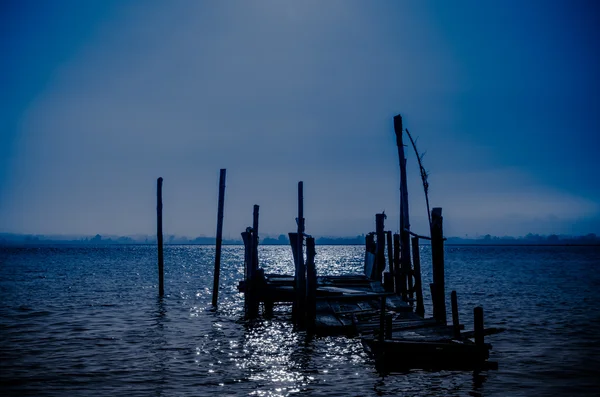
382	320
159	237
437	258
300	275
251	301
478	326
311	285
404	217
255	238
420	309
397	269
455	320
219	237
380	251
370	249
388	276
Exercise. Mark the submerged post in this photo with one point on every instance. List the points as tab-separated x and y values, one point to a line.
437	258
219	237
455	320
404	218
311	285
159	237
420	309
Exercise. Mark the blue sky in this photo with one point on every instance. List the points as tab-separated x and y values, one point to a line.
99	98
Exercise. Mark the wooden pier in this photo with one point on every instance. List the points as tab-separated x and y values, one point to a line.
384	306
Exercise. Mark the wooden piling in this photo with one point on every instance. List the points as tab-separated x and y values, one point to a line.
478	326
437	258
311	285
219	241
380	251
418	287
390	250
370	250
455	320
255	238
404	214
382	320
397	270
300	267
159	237
251	301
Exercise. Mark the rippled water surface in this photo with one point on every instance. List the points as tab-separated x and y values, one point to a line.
87	321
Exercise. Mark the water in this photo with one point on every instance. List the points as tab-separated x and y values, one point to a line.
79	321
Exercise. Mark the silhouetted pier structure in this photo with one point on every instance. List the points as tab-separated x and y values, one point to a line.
384	306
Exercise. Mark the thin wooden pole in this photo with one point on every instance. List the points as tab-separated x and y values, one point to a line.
300	268
455	320
478	325
159	237
219	241
420	309
437	258
404	213
311	285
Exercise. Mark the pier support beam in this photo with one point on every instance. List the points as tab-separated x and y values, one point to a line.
311	285
404	214
437	258
299	309
455	320
380	250
420	309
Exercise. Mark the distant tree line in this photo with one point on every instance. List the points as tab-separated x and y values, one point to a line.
9	239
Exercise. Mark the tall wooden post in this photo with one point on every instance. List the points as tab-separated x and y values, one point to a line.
404	218
159	237
420	309
300	268
437	258
251	301
219	241
380	250
311	285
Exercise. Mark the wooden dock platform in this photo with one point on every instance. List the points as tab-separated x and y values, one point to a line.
384	306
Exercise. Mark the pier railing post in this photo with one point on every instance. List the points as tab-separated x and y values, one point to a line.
159	237
437	258
311	285
219	241
420	308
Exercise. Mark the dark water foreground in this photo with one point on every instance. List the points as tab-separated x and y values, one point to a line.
87	321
